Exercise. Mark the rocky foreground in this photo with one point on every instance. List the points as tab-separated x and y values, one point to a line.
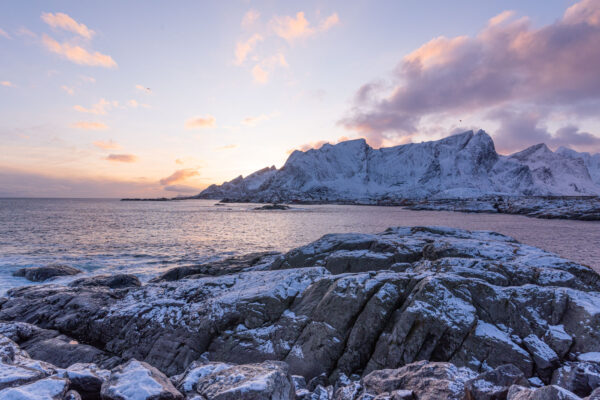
411	313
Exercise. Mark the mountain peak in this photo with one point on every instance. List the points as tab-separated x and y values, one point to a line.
462	165
536	150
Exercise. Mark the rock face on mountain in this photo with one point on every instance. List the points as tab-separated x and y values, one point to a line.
591	161
459	166
420	311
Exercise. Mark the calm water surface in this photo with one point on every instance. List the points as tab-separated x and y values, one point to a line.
145	238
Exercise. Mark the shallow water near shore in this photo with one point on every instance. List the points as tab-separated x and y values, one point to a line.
145	238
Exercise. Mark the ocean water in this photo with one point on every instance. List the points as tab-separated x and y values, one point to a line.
146	238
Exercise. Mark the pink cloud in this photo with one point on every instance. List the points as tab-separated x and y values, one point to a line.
520	129
126	158
553	67
90	126
179	176
107	145
207	121
262	71
65	22
244	48
78	54
100	108
250	18
298	27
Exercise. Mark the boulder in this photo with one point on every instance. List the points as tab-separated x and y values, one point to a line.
51	388
230	265
15	375
117	281
39	274
72	395
593	356
9	350
52	347
348	392
321	393
546	360
86	379
265	381
494	385
428	380
595	395
187	383
138	380
299	382
558	340
578	377
552	392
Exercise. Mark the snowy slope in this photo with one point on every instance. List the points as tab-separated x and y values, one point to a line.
591	161
553	173
463	165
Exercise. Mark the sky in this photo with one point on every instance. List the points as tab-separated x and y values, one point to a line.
145	99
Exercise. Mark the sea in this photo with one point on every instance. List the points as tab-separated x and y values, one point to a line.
107	236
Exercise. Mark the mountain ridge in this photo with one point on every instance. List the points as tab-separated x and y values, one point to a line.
463	165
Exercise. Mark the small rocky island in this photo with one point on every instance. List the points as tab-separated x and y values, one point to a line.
411	313
273	206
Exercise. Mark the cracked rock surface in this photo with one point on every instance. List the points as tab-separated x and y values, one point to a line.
392	311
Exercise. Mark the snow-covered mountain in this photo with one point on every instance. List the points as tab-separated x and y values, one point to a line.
463	165
591	161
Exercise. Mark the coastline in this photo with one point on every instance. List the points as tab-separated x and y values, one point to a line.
581	208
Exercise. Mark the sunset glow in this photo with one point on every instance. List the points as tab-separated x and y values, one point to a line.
162	99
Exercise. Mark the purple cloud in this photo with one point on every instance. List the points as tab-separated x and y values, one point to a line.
525	128
554	67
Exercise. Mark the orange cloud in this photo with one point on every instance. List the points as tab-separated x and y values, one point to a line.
500	18
250	18
201	122
262	70
179	161
110	145
99	108
243	49
7	83
330	22
78	54
63	21
126	158
227	147
253	121
292	28
22	31
67	89
438	51
90	126
179	176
